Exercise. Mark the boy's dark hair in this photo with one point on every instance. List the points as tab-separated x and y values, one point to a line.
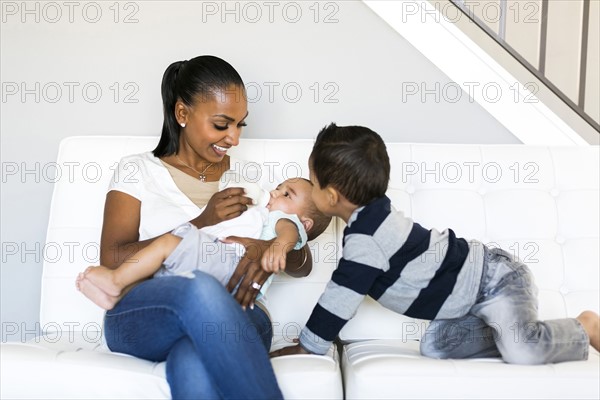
320	220
353	160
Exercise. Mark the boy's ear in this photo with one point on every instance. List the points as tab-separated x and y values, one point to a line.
307	223
333	195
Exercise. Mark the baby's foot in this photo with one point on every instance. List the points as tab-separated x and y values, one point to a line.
94	293
78	280
591	324
103	278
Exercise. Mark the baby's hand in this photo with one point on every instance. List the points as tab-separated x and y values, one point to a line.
273	260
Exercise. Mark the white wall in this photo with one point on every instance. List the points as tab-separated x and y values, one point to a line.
352	70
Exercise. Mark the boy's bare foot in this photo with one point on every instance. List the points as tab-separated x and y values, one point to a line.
591	323
104	278
94	293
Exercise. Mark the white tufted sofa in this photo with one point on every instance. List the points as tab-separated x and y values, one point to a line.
540	203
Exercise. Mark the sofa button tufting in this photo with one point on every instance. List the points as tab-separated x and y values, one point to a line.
410	190
564	290
554	192
560	240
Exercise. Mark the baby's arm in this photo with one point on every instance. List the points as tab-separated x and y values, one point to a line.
273	259
147	261
141	265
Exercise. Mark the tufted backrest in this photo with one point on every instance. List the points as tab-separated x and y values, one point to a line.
539	203
72	242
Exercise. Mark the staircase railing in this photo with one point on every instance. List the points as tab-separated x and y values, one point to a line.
467	7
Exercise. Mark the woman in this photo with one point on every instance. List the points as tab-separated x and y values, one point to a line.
207	339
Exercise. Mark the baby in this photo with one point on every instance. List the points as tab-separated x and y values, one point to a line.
289	216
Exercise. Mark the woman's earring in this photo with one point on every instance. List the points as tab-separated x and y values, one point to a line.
182	124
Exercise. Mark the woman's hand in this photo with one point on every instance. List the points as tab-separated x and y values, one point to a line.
248	271
222	206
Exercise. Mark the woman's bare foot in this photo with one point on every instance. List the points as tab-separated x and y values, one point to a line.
97	295
591	323
104	278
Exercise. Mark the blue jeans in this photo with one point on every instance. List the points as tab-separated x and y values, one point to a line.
504	322
213	349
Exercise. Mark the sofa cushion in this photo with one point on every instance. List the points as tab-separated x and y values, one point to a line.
77	365
72	366
394	369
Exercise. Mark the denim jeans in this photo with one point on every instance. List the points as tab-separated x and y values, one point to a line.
213	349
504	322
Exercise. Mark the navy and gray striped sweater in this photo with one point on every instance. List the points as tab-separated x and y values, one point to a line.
421	273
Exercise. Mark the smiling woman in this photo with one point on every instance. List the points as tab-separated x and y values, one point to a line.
166	319
209	127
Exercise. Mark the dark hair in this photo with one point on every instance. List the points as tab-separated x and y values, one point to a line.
353	160
188	81
320	220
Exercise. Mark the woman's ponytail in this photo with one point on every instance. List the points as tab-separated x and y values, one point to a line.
169	138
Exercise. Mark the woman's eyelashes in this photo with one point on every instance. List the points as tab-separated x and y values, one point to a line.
225	127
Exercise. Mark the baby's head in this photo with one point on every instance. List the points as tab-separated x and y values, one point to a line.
294	196
353	160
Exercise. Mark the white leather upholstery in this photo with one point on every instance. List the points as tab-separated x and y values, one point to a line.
539	203
543	205
71	362
394	369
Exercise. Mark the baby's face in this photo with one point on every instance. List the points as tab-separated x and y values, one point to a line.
291	196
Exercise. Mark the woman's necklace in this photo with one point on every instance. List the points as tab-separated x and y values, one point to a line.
201	175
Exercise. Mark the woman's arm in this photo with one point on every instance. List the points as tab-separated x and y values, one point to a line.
120	229
299	263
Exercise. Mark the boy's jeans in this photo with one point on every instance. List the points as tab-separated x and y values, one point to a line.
504	322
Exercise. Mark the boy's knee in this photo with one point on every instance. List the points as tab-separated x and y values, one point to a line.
431	350
527	351
524	355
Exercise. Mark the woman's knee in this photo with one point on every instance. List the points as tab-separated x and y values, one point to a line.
184	297
204	298
204	288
